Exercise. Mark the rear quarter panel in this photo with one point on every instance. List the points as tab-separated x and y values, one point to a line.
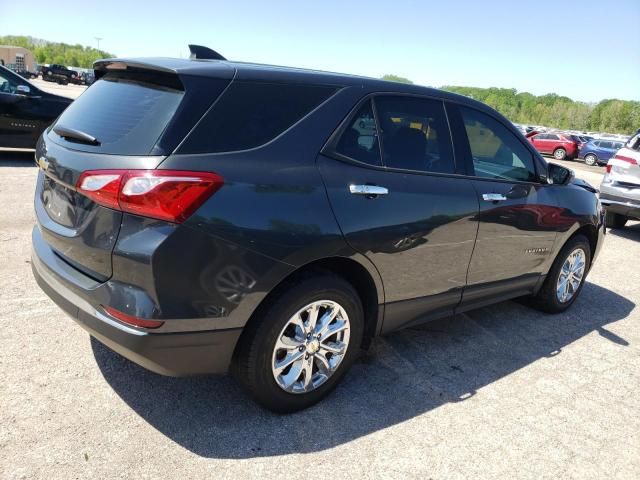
273	206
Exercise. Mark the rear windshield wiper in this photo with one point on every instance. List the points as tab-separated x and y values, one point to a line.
75	135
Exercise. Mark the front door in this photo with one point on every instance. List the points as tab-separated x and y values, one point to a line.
518	220
408	212
541	142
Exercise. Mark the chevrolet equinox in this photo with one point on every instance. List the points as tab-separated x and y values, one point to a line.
203	215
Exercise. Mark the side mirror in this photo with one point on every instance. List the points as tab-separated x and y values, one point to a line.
559	175
23	90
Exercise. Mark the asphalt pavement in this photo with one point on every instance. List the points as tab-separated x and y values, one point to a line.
499	392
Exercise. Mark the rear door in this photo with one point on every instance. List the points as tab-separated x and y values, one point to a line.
607	150
409	212
118	123
518	219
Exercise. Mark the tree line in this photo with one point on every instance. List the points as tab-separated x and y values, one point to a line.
55	52
551	110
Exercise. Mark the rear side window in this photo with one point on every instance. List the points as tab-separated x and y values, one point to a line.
415	134
127	116
360	140
496	152
250	114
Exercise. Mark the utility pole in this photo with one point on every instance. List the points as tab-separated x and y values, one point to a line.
98	40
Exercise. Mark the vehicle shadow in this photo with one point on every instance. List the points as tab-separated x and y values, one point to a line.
16	159
403	375
631	231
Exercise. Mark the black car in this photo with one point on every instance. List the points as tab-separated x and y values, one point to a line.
59	74
201	215
25	110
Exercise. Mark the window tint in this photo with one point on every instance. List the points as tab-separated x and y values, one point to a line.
251	114
606	145
542	136
360	140
415	134
126	116
553	137
497	153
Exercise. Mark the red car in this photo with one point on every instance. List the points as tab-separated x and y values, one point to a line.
556	144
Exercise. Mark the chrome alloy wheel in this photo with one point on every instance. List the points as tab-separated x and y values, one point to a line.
571	275
311	346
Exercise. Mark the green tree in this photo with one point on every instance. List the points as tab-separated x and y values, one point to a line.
395	78
552	110
53	52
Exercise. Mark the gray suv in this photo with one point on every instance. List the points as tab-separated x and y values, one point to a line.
620	188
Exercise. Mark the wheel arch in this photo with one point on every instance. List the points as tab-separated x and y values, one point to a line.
357	270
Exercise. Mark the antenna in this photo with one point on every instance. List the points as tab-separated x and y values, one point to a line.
204	53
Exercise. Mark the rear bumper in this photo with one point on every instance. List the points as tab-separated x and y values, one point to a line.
174	354
621	201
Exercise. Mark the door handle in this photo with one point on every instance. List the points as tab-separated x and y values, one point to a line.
493	197
368	190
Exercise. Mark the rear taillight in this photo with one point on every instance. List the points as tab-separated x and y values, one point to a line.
608	168
169	195
624	158
131	320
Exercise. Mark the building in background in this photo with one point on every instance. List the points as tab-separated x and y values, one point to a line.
17	58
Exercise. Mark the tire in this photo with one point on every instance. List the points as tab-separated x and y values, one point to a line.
559	154
615	220
591	159
256	358
548	298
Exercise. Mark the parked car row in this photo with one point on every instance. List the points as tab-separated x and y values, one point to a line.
570	146
64	75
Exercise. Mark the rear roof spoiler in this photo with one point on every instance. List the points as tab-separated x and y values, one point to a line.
198	52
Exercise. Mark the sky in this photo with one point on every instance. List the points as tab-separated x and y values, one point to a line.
587	50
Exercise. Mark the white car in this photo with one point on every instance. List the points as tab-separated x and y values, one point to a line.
620	188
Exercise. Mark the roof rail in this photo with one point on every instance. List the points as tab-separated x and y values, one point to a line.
204	53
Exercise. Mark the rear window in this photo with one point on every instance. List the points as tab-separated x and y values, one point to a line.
250	114
126	115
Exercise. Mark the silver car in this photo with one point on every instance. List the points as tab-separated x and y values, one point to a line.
620	188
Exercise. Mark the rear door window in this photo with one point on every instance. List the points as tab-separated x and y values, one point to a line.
125	115
415	134
360	140
250	114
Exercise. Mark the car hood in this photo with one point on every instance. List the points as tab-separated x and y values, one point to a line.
584	184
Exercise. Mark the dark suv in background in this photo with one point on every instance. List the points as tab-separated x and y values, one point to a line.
25	110
196	215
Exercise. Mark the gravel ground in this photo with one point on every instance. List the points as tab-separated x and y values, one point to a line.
499	392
